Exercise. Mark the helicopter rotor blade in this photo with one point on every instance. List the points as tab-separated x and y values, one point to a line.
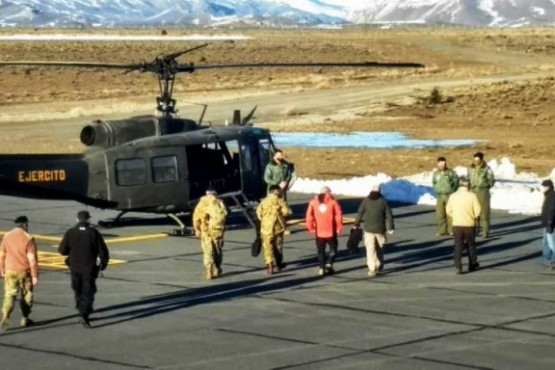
187	68
73	64
180	53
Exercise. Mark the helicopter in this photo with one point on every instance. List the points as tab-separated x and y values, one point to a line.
159	163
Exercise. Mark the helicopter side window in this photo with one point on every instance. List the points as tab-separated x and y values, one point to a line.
247	158
164	169
265	152
130	172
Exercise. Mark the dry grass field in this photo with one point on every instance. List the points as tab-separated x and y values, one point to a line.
494	85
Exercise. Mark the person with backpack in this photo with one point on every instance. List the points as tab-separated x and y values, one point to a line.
324	219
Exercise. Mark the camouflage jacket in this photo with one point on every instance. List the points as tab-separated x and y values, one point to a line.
209	215
272	212
480	177
445	182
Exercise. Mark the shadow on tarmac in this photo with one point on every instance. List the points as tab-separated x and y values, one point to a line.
164	303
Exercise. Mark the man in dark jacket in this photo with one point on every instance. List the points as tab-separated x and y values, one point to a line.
378	220
87	254
548	223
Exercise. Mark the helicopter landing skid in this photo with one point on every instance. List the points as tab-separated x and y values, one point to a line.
114	222
183	230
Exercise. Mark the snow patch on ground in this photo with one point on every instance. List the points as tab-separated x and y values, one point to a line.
513	192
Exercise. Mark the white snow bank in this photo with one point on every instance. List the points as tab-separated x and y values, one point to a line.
513	192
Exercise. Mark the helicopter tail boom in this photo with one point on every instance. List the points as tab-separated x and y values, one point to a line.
52	176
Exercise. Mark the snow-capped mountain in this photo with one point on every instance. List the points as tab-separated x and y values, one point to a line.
468	12
172	12
114	13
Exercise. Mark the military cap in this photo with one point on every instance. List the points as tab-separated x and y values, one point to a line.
21	220
83	216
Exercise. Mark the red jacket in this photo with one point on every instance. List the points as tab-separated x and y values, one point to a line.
324	216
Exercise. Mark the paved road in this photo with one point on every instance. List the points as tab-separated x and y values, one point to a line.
156	312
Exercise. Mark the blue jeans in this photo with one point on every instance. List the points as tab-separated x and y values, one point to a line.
548	250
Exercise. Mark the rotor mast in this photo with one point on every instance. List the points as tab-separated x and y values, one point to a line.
166	68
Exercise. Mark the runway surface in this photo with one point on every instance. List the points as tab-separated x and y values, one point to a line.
155	311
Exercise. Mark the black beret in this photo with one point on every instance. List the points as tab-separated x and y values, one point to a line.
83	215
21	220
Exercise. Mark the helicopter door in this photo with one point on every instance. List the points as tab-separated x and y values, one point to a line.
251	175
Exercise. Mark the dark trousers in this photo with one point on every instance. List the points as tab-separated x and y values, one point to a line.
324	259
465	236
84	288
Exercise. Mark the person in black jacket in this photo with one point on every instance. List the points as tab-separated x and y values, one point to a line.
378	220
87	255
548	223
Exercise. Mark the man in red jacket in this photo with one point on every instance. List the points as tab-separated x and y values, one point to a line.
325	219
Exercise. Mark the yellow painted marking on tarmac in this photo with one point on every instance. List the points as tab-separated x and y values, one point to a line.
125	239
45	238
137	238
300	221
54	261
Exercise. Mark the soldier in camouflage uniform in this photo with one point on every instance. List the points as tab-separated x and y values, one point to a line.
481	180
209	223
272	212
445	182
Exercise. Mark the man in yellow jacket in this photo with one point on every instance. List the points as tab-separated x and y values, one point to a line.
209	220
464	208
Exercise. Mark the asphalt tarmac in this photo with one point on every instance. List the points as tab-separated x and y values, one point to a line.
155	311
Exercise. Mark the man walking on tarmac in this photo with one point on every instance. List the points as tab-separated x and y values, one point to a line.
87	256
272	212
324	219
464	208
209	219
445	182
378	219
481	181
20	270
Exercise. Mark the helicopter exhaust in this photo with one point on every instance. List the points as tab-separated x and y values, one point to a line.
106	134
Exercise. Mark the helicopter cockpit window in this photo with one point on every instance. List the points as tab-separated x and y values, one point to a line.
130	172
164	169
265	152
246	154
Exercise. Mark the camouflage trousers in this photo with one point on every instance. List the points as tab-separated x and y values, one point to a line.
272	246
15	282
212	250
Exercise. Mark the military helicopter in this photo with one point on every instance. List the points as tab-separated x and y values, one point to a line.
158	163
